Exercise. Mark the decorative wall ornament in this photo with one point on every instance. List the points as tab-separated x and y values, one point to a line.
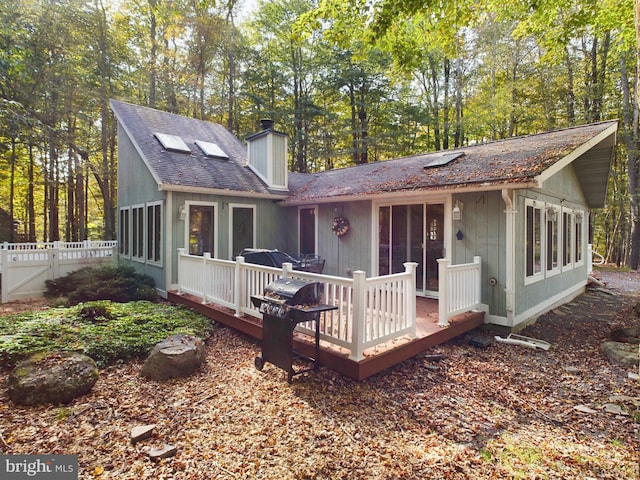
340	226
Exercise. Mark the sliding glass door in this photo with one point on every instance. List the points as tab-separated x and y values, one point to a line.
411	233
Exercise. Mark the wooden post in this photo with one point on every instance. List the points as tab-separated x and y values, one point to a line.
443	292
410	295
238	286
180	270
358	332
287	268
478	281
205	256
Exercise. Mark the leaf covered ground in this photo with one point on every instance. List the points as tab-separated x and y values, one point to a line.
498	412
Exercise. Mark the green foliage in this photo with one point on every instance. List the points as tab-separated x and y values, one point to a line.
107	332
119	283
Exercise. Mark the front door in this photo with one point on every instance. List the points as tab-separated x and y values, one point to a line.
242	229
412	233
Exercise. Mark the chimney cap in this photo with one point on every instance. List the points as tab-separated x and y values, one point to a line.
266	123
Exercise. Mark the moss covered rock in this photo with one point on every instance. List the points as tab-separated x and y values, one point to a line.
53	377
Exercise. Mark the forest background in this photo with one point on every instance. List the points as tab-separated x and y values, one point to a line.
350	82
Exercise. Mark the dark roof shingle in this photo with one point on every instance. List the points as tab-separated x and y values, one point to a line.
188	170
510	161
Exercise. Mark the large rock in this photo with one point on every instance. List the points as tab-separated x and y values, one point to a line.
177	356
621	353
52	377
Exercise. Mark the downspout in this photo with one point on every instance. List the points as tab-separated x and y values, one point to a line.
510	254
168	239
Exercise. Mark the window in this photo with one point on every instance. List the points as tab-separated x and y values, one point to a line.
567	239
201	234
578	234
154	232
123	233
553	239
307	230
137	232
533	239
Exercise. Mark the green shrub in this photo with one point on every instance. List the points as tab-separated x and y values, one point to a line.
118	283
107	332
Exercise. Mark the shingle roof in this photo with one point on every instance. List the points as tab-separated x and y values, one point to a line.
182	170
516	160
512	161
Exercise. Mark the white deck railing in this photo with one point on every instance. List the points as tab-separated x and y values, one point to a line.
370	311
459	289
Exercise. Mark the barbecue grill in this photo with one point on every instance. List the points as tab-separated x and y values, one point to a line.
285	303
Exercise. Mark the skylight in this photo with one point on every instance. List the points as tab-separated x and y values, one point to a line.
173	143
211	149
444	159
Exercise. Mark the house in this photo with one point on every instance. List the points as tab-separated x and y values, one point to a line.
521	205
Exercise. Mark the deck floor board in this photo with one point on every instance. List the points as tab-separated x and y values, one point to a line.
377	359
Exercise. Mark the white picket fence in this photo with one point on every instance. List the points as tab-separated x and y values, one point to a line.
24	267
370	311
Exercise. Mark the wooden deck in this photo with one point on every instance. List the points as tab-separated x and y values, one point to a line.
378	359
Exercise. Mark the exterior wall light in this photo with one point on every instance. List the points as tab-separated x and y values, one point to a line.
456	213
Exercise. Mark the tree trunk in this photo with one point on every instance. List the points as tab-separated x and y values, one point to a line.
436	104
459	133
12	175
571	102
153	54
31	208
631	141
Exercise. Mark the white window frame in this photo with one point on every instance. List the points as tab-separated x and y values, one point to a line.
124	249
579	221
216	220
538	275
138	232
551	210
233	206
315	227
153	241
568	241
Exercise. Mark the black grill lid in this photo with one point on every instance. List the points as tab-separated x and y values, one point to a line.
294	291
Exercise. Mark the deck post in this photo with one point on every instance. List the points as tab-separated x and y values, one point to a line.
180	270
443	292
410	295
238	285
205	256
478	286
358	332
287	268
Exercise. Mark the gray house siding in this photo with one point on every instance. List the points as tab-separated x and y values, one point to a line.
135	182
268	223
562	191
483	226
352	252
136	186
342	255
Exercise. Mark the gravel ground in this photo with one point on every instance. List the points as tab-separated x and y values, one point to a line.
627	282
